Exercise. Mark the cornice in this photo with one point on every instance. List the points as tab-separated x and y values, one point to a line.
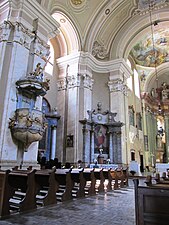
85	58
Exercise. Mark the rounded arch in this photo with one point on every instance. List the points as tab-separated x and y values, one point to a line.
67	41
162	72
46	108
133	30
106	23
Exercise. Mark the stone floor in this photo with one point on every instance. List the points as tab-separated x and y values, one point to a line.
115	207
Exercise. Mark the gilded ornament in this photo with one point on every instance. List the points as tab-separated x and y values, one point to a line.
76	2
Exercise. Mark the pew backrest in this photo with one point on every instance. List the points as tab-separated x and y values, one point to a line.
151	204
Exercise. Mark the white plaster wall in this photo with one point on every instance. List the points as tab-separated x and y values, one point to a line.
101	90
17	70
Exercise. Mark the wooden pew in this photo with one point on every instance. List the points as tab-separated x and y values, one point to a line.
165	176
79	183
126	176
108	179
47	187
151	204
98	173
5	193
90	179
157	180
65	182
23	190
114	179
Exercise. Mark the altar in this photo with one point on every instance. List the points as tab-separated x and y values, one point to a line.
101	137
105	166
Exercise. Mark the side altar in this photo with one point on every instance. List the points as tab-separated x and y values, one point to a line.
101	137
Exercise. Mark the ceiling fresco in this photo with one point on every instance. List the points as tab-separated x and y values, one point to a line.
145	52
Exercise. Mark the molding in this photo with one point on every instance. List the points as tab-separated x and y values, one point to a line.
73	81
85	58
29	11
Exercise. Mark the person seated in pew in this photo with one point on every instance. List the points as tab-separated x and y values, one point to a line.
67	165
79	164
96	165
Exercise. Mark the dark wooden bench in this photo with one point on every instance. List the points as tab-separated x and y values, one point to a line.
126	176
151	204
100	179
114	179
65	182
108	179
90	179
157	180
79	183
23	190
47	187
5	194
120	177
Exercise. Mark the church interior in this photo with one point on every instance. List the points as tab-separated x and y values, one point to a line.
80	78
84	84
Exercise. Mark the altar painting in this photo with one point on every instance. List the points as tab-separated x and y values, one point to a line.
100	139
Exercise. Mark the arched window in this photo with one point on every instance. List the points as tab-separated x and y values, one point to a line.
45	106
131	115
132	155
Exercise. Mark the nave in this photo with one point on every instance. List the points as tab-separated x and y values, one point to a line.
114	207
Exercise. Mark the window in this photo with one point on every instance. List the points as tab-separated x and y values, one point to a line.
131	115
130	79
136	84
139	121
132	155
49	65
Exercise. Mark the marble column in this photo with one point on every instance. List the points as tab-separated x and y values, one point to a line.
111	154
166	124
53	143
92	156
86	145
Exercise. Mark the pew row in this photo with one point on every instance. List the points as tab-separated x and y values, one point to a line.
23	190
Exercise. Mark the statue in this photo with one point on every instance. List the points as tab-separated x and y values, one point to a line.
38	70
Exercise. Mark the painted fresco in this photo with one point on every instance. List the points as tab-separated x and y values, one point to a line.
144	53
144	4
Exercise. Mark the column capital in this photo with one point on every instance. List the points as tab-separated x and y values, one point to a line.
117	85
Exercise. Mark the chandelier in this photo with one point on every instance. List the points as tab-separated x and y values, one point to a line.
152	4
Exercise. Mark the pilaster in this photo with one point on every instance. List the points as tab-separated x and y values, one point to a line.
119	103
74	96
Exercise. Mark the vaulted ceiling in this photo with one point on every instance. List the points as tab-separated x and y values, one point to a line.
117	29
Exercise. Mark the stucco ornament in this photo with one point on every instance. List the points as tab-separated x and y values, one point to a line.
99	51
